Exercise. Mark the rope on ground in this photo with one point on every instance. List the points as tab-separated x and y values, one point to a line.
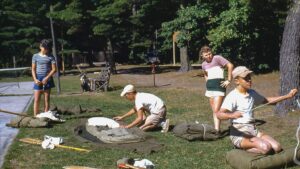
204	132
296	161
296	148
39	142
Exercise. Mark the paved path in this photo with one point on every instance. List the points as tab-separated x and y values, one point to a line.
17	98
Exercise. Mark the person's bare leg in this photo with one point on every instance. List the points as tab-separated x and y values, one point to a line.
148	127
47	100
275	145
256	145
215	104
147	123
36	104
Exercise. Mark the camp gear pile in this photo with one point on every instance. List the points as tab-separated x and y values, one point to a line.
193	131
29	122
146	145
108	131
73	110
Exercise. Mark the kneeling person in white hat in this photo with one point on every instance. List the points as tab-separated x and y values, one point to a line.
238	106
145	102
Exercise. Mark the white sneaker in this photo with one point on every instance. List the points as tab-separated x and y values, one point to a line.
165	126
161	124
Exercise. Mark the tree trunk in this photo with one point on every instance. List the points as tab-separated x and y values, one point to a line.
184	60
110	57
290	59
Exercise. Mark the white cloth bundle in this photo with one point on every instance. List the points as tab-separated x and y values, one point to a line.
103	121
144	163
50	142
50	115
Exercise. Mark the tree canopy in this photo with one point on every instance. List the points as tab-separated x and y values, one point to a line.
244	31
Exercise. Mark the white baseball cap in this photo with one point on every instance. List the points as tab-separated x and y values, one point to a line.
240	71
127	89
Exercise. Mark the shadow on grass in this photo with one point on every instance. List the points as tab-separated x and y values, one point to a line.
259	122
81	116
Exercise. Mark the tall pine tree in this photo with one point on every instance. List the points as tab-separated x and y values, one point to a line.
290	59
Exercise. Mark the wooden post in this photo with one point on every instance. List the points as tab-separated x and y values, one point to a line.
14	61
174	38
54	51
63	59
153	73
174	54
16	73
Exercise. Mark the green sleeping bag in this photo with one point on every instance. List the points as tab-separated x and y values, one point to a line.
240	159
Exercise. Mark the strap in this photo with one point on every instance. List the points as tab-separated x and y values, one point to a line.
204	131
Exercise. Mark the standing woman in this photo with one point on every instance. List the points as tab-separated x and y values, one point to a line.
216	84
43	67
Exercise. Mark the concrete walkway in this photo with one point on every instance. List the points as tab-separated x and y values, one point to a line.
14	97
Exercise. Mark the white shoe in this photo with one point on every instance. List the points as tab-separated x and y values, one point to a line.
165	126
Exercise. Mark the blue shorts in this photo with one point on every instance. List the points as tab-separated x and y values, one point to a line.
49	85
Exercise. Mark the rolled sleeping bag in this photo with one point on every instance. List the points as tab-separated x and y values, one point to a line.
241	159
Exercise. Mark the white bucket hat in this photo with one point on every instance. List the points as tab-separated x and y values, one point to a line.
127	89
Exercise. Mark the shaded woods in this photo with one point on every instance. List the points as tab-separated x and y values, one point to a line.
243	31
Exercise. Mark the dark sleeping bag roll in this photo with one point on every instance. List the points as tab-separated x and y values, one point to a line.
194	131
240	159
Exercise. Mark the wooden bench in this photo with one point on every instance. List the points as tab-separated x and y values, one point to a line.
100	64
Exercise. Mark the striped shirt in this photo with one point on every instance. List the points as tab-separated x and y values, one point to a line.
43	63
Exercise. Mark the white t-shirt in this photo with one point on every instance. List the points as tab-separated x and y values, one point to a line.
215	73
149	102
236	101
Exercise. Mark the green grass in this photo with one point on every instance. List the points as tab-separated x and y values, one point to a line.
183	105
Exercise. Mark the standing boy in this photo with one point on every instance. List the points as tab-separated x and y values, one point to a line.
238	107
216	84
43	67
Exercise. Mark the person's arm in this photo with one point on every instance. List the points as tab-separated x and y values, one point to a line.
33	72
229	70
225	114
229	67
205	75
53	70
137	120
274	100
131	112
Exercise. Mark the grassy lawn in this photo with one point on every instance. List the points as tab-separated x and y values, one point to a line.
183	103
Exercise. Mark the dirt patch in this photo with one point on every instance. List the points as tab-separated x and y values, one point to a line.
168	77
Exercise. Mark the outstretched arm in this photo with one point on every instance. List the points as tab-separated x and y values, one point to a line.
131	112
225	114
137	120
274	100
